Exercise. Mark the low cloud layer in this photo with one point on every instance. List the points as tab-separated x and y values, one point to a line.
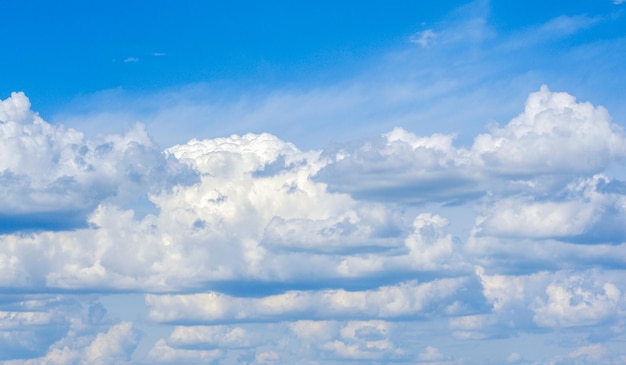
257	252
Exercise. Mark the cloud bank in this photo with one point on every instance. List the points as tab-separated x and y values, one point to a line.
258	252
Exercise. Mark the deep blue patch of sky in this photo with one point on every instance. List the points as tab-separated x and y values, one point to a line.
61	49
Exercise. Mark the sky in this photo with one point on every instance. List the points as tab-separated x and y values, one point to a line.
313	182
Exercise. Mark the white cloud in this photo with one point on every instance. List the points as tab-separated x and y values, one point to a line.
555	137
325	341
588	210
114	346
362	340
405	299
239	222
48	170
576	303
428	248
545	299
256	214
275	255
263	236
539	219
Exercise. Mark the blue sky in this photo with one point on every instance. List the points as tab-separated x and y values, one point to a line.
399	182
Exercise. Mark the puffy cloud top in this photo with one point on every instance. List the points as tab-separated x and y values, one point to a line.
49	169
554	136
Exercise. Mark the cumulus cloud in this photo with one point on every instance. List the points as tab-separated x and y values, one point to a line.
576	303
544	299
114	346
48	170
250	233
255	214
588	210
555	136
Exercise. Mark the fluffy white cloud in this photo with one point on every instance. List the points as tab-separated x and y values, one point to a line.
576	303
269	238
255	214
46	170
545	299
402	166
588	210
114	346
555	136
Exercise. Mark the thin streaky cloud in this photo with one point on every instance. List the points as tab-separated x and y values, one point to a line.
425	38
